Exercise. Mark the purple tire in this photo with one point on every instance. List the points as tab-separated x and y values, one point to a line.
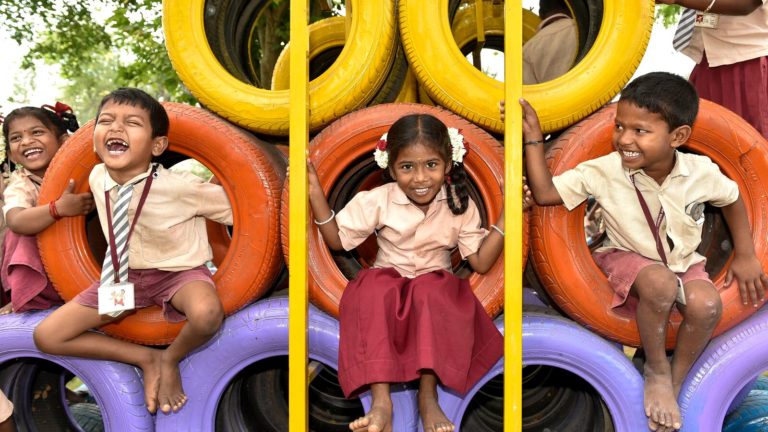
554	341
730	362
117	387
258	332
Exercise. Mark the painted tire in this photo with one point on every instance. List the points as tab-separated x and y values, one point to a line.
258	332
751	416
252	174
348	84
351	140
573	280
553	341
464	26
598	77
117	387
729	363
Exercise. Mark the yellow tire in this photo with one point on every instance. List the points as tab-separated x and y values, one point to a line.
409	92
599	76
464	28
348	84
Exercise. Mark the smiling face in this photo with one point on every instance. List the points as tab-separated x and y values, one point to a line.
420	171
32	143
122	137
644	141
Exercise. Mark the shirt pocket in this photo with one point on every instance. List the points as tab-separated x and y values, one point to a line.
690	234
160	245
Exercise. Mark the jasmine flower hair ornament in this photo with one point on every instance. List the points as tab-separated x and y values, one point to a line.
458	149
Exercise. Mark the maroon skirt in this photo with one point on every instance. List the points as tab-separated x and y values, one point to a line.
23	274
392	327
741	87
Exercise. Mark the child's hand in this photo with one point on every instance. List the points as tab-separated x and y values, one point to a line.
313	179
7	309
72	204
501	109
748	272
531	127
527	196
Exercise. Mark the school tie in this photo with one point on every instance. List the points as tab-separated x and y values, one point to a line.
684	30
120	228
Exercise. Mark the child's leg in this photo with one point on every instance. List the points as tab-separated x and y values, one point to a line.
65	332
656	287
379	418
700	316
432	416
201	305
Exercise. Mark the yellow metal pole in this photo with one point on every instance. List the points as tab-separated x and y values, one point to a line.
513	211
297	244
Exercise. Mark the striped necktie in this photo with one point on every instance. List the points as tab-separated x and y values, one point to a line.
120	228
684	30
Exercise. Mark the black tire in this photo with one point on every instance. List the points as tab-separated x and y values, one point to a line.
87	416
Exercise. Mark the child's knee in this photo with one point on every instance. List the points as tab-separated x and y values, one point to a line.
658	289
704	308
43	337
206	318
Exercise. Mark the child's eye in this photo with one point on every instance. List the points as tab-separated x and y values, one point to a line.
641	131
14	138
618	127
431	164
406	166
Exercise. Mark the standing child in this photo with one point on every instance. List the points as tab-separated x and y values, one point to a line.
408	317
166	243
32	137
647	184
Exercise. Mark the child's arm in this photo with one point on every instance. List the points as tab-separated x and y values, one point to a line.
490	249
30	221
539	177
322	211
746	268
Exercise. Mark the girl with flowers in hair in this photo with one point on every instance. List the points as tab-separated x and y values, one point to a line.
408	317
32	137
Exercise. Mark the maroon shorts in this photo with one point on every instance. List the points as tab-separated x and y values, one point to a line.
622	267
153	287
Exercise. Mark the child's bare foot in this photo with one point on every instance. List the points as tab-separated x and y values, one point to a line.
170	396
378	419
151	372
660	403
432	416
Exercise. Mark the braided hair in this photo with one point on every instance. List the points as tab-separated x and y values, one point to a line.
427	130
59	119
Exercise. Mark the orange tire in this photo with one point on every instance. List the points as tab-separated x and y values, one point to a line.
345	148
573	280
250	172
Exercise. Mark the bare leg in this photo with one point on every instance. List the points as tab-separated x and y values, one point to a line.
65	332
8	425
200	303
432	416
656	287
701	314
379	418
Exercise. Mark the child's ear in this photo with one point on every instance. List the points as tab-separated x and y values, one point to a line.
159	144
680	136
63	137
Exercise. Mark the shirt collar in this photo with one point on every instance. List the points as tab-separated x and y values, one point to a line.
681	167
36	179
399	197
109	183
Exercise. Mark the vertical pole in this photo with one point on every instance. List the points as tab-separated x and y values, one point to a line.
513	211
297	234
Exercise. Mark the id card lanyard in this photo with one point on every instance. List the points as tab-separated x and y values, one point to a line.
653	226
111	229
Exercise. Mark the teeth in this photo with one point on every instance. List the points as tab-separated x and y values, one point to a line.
32	151
421	191
631	154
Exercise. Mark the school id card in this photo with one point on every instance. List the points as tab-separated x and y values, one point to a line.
115	299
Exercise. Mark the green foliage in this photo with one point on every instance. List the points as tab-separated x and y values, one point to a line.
667	14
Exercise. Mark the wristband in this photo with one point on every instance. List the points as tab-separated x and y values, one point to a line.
330	218
541	141
52	210
498	230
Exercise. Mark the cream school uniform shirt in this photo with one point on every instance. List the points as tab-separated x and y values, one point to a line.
410	241
693	179
22	190
736	38
551	51
170	234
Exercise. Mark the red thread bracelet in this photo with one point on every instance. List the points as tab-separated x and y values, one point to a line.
52	210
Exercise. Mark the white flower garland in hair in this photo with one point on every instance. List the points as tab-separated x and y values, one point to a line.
458	149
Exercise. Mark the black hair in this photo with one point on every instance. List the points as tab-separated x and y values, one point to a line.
59	119
550	7
428	130
669	95
158	117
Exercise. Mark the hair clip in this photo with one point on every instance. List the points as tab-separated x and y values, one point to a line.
59	109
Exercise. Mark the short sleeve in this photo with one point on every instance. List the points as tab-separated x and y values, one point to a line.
18	195
574	185
725	191
360	217
471	234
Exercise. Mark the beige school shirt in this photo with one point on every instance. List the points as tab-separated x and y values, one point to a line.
170	234
410	241
551	51
22	190
693	179
736	38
